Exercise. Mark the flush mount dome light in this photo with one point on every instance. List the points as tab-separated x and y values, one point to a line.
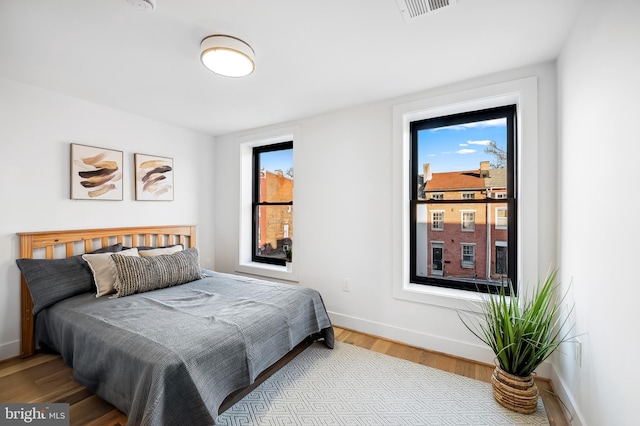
227	56
144	5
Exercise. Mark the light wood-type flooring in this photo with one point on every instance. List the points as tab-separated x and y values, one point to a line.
43	378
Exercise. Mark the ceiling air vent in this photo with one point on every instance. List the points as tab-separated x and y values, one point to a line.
412	9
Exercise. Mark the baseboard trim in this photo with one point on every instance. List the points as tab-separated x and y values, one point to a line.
9	350
476	352
559	385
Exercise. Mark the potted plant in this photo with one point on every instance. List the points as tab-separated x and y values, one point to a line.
288	253
523	331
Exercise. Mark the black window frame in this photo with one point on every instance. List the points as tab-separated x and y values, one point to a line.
256	203
510	113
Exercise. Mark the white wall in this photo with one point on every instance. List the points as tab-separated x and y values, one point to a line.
344	205
587	153
599	91
36	129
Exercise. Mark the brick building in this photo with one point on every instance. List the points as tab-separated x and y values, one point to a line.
464	238
275	222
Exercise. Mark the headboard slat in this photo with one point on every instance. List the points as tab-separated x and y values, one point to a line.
48	240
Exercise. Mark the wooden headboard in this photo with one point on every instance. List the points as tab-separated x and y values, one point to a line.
74	242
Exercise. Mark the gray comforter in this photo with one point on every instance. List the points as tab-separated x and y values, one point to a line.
171	356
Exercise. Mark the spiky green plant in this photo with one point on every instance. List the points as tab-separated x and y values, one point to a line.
522	331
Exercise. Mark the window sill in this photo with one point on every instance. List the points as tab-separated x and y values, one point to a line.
268	271
440	296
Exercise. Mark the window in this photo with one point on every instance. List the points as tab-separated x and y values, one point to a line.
469	156
468	256
501	218
272	203
437	220
250	234
437	196
468	221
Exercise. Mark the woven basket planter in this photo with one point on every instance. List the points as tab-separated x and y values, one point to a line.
519	394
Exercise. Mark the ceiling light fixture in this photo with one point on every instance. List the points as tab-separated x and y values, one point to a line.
227	56
144	5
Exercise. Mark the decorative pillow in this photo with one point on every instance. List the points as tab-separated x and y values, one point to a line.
52	280
141	274
160	251
102	274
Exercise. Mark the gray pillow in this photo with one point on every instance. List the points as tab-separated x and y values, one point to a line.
141	274
142	248
109	249
52	280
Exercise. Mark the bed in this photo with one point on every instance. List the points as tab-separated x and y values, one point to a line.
177	340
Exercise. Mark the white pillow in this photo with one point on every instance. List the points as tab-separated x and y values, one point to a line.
160	251
102	272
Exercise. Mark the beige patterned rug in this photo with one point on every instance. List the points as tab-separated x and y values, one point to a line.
354	386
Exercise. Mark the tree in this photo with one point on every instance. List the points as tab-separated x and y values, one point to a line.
500	155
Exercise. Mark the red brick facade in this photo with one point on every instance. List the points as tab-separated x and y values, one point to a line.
275	222
470	227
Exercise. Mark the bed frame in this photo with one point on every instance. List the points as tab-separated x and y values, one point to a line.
74	242
81	241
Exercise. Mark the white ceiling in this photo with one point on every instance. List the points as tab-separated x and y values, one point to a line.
311	56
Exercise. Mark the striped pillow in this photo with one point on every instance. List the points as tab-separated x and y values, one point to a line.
141	274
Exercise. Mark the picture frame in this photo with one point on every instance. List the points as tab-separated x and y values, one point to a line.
96	173
154	177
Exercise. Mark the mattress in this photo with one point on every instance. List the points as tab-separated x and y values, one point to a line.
172	356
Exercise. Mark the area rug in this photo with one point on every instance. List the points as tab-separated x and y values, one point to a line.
350	385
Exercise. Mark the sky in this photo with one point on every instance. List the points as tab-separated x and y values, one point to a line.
277	160
452	148
460	147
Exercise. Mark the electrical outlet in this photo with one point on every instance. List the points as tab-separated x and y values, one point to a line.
578	353
346	284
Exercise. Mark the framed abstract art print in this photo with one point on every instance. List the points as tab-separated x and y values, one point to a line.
96	173
154	177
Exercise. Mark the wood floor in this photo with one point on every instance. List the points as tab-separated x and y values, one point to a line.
45	378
